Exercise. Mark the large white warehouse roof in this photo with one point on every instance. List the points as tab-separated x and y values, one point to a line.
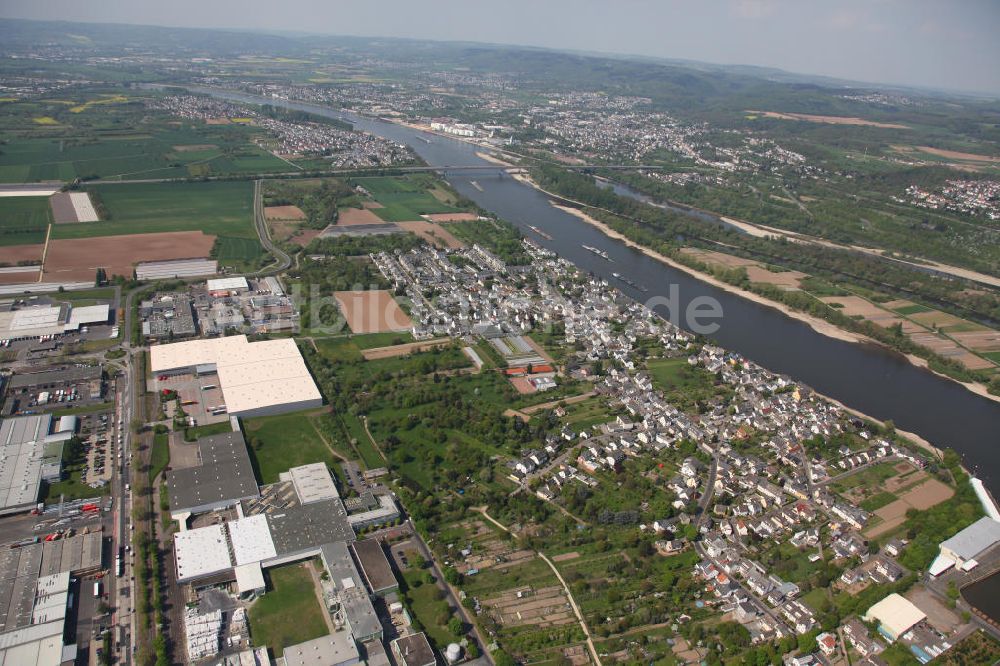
255	376
896	614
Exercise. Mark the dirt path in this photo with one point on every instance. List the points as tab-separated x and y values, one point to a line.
376	353
525	412
364	422
317	586
335	452
483	510
576	609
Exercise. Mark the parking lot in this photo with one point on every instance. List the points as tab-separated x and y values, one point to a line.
200	396
101	443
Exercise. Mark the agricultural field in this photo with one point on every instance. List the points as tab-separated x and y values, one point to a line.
24	220
372	311
217	208
103	135
405	199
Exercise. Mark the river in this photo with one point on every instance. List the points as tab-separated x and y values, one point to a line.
865	377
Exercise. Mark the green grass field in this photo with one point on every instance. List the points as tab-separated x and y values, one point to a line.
912	309
197	432
219	208
24	220
870	476
83	146
289	612
288	440
159	458
239	252
422	599
402	199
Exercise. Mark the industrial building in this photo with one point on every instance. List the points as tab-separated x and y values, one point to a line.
167	316
895	616
30	453
227	286
265	539
413	650
223	478
177	268
312	483
374	566
256	378
33	321
962	549
35	586
89	376
336	649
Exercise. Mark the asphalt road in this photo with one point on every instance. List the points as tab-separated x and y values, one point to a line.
281	259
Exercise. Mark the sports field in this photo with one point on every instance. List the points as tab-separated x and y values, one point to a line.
23	220
218	209
402	199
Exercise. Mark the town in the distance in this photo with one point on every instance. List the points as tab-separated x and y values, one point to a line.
322	351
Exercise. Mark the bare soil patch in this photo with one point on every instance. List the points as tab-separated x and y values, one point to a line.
955	155
402	350
566	556
63	211
354	216
547	606
13	254
432	233
921	497
983	341
452	217
306	236
79	258
785	279
372	311
194	147
831	120
284	213
719	258
522	385
23	275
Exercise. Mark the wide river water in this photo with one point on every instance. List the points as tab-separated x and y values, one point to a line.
865	377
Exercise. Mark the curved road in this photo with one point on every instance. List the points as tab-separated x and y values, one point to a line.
281	259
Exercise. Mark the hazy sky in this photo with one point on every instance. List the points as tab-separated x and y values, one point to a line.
951	44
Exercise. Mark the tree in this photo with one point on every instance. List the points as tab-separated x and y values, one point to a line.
456	626
501	658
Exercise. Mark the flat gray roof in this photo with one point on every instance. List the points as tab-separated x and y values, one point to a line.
974	539
224	475
335	648
414	650
306	526
59	376
374	565
354	597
